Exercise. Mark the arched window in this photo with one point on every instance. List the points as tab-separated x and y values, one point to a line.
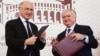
46	15
39	15
58	18
52	16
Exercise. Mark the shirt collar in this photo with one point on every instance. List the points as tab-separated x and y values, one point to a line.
22	19
72	27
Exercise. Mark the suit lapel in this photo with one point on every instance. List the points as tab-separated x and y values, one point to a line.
22	27
62	35
76	28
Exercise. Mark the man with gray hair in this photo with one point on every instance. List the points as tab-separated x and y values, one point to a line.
21	35
81	33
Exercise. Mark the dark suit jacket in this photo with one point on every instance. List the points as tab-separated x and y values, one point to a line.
86	51
16	35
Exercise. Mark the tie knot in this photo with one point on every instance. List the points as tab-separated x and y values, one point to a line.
27	21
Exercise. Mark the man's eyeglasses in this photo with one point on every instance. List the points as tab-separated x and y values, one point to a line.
27	9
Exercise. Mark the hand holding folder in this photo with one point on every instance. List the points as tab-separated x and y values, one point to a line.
67	47
42	29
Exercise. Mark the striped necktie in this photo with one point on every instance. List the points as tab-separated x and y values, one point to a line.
28	29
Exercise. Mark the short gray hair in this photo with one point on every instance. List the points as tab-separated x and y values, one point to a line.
24	2
74	12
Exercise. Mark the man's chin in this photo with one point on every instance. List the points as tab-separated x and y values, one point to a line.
68	25
28	18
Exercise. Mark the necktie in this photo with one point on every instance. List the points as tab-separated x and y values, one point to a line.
69	30
28	29
29	35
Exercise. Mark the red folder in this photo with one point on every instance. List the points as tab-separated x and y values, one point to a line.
67	47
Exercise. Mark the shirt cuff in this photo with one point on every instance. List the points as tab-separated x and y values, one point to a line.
86	40
25	46
43	40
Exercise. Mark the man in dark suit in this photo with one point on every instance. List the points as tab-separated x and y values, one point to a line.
18	39
82	32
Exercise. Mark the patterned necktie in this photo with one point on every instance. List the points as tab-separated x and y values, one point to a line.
28	29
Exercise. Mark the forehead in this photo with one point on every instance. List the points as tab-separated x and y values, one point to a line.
26	4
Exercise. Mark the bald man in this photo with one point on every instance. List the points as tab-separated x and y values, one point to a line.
20	34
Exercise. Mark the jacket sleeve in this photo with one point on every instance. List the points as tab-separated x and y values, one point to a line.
92	41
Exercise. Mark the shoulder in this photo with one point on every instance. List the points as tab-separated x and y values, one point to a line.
82	26
13	21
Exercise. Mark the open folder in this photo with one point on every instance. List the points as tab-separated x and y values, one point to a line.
42	29
67	47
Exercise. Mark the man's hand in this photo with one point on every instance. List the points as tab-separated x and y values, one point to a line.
43	35
31	40
77	36
54	42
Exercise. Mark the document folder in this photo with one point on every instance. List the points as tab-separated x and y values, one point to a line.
67	47
42	29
